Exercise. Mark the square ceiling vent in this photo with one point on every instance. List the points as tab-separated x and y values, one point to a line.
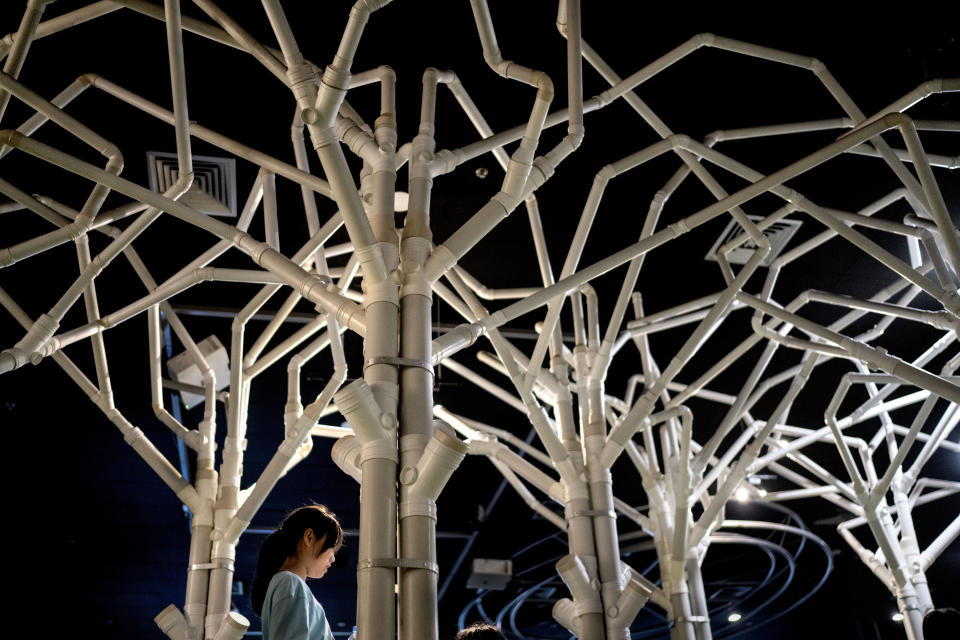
214	189
778	233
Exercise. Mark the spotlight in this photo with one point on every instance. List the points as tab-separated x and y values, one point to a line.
734	617
897	617
742	494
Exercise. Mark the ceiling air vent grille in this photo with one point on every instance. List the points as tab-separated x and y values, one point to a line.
214	189
778	233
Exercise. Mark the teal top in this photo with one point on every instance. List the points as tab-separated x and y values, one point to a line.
290	612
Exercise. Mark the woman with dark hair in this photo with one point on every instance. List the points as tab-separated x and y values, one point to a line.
303	547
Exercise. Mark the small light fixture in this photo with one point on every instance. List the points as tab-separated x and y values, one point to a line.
897	617
742	494
734	617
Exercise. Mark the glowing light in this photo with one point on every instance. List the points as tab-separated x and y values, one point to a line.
742	494
734	617
897	617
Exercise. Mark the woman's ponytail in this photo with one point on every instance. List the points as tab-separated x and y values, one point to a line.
273	553
282	544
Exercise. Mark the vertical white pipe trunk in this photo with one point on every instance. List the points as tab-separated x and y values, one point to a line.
698	599
682	628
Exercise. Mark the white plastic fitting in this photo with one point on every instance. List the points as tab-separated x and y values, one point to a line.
172	623
631	600
565	612
440	459
346	455
234	627
574	575
357	404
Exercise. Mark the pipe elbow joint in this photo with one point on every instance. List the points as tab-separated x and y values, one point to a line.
897	119
545	89
605	173
496	62
817	66
431	75
705	39
386	73
931	86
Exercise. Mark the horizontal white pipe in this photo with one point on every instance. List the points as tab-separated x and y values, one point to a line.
329	431
796	494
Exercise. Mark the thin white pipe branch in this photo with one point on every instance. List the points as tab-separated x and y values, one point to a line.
97	196
244	40
470	428
61	22
492	294
527	497
292	442
486	385
18	50
192	438
465	335
939	544
311	286
131	434
207	135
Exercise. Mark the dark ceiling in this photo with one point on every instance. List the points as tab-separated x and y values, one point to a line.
99	545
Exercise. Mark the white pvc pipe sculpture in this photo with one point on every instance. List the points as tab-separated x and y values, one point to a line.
400	447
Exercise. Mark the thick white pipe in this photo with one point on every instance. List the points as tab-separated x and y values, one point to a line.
172	623
418	519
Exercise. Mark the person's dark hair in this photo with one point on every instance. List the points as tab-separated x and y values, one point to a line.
941	623
282	544
480	631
